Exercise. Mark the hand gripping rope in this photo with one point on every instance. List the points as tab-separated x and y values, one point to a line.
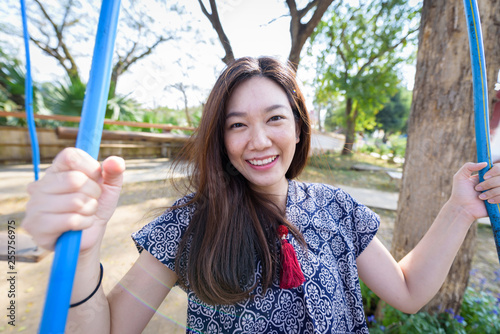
89	137
481	114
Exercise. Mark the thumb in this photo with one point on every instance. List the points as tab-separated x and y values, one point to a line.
113	168
466	171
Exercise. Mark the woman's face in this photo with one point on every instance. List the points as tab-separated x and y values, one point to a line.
261	133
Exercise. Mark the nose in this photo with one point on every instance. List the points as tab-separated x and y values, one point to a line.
260	139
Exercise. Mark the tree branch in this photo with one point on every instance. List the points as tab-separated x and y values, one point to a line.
51	51
293	8
299	31
301	13
217	25
65	17
145	53
46	15
381	53
72	70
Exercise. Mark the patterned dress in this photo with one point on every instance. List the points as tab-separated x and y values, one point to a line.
336	228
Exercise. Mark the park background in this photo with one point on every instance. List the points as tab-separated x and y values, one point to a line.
391	79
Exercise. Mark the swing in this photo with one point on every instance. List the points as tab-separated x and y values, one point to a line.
481	114
25	249
67	248
91	125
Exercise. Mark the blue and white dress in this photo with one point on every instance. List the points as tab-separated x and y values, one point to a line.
336	228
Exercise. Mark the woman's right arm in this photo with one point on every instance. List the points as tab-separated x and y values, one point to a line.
128	308
77	194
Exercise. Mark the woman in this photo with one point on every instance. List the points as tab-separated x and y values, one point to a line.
225	243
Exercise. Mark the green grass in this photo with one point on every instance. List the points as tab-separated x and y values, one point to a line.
333	168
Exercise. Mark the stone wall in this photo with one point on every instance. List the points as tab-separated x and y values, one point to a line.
15	146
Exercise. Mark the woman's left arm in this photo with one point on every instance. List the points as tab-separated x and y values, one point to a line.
410	283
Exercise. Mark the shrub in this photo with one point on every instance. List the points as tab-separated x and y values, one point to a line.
479	314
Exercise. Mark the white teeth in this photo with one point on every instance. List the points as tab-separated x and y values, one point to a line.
262	162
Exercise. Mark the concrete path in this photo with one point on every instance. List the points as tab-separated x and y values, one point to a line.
327	142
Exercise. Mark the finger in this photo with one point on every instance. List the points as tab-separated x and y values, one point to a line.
113	168
76	203
46	233
490	183
72	158
494	171
492	196
65	183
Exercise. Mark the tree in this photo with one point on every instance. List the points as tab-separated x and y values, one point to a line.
440	131
393	117
299	32
67	99
182	89
362	46
12	78
185	89
49	29
64	29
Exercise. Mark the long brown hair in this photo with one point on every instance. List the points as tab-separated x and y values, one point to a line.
234	226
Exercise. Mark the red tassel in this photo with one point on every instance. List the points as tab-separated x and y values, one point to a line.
291	275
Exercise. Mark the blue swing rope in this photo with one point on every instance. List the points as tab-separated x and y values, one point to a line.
481	114
28	96
89	137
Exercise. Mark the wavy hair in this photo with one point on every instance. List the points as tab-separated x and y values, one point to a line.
234	226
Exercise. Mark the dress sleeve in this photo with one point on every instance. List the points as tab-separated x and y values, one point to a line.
161	236
361	222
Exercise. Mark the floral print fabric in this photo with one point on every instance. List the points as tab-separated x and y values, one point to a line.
336	228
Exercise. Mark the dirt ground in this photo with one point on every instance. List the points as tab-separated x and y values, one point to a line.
119	253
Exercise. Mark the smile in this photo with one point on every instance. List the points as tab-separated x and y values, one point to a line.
262	162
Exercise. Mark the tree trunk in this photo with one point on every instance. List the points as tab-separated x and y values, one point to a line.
186	109
112	84
441	131
350	129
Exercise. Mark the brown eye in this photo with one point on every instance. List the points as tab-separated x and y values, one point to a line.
276	118
236	125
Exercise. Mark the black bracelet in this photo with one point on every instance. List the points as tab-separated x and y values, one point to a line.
93	292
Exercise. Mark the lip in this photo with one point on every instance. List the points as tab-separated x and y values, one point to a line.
263	167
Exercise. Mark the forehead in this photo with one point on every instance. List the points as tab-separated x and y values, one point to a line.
256	93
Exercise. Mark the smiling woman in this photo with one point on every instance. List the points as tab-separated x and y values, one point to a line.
253	114
255	250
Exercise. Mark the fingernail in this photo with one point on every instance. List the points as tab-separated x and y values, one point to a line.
482	196
479	188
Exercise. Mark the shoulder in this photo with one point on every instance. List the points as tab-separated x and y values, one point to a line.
320	195
300	191
179	213
171	224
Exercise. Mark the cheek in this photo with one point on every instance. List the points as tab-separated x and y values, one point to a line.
233	146
287	138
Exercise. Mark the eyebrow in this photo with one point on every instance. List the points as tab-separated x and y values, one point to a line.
268	109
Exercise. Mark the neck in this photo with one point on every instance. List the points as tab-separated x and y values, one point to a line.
277	193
